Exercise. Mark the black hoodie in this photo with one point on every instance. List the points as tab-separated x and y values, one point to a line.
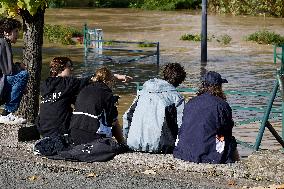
94	100
57	96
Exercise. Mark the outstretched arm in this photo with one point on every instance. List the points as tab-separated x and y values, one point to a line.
123	78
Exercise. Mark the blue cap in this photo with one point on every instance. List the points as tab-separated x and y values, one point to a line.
213	78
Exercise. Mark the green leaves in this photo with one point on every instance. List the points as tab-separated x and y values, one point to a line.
248	7
12	7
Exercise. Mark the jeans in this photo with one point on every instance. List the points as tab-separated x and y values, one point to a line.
14	89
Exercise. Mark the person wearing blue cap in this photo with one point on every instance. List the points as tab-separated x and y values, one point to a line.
205	135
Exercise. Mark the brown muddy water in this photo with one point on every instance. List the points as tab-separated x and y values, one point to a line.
246	65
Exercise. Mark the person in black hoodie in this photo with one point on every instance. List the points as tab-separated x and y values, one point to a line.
58	93
95	113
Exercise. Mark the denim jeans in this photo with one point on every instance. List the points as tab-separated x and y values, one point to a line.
14	89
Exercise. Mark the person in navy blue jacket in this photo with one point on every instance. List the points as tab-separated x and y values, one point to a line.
205	135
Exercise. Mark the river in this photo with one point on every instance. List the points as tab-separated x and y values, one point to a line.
246	65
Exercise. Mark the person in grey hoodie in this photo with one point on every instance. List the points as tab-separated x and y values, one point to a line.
15	75
151	123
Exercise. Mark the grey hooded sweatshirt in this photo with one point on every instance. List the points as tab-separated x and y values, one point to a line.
6	57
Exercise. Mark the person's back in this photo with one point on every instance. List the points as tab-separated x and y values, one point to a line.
58	93
95	114
197	141
151	124
205	135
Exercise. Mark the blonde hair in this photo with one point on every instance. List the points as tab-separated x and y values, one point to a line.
105	75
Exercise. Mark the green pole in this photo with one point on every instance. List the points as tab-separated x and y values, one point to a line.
266	116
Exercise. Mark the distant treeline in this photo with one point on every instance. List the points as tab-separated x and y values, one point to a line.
235	7
248	7
144	4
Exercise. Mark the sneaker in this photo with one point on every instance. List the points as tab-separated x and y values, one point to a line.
11	119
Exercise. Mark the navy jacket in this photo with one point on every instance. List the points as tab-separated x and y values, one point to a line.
204	117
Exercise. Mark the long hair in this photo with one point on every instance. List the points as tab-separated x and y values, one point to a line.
104	75
174	73
9	24
215	90
58	64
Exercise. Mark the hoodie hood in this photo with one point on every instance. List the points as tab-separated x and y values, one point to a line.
157	85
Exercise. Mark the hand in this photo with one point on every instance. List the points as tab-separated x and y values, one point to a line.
220	137
124	78
21	65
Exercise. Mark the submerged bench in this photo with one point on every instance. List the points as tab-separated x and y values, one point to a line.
94	42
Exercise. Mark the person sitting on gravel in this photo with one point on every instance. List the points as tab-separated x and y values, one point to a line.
95	113
205	135
14	76
151	123
93	123
58	93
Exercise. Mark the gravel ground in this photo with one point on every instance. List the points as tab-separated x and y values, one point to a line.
19	168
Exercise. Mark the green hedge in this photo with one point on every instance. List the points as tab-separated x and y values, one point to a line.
248	7
61	34
145	4
266	37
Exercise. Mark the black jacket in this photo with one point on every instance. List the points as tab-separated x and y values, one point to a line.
57	96
94	100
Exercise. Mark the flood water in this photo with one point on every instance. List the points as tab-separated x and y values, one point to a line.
246	65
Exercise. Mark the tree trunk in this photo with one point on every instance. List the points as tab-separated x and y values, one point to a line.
32	57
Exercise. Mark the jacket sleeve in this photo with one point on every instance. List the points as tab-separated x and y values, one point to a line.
110	110
6	58
78	84
127	118
180	107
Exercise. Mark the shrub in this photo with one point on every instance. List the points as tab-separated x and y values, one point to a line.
191	37
249	7
224	39
265	37
170	4
56	3
61	34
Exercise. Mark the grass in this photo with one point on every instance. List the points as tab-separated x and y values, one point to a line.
265	37
222	39
191	37
146	44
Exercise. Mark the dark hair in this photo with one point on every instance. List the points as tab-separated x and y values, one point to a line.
215	90
58	64
9	24
174	73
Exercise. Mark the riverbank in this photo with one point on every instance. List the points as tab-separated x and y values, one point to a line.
20	168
